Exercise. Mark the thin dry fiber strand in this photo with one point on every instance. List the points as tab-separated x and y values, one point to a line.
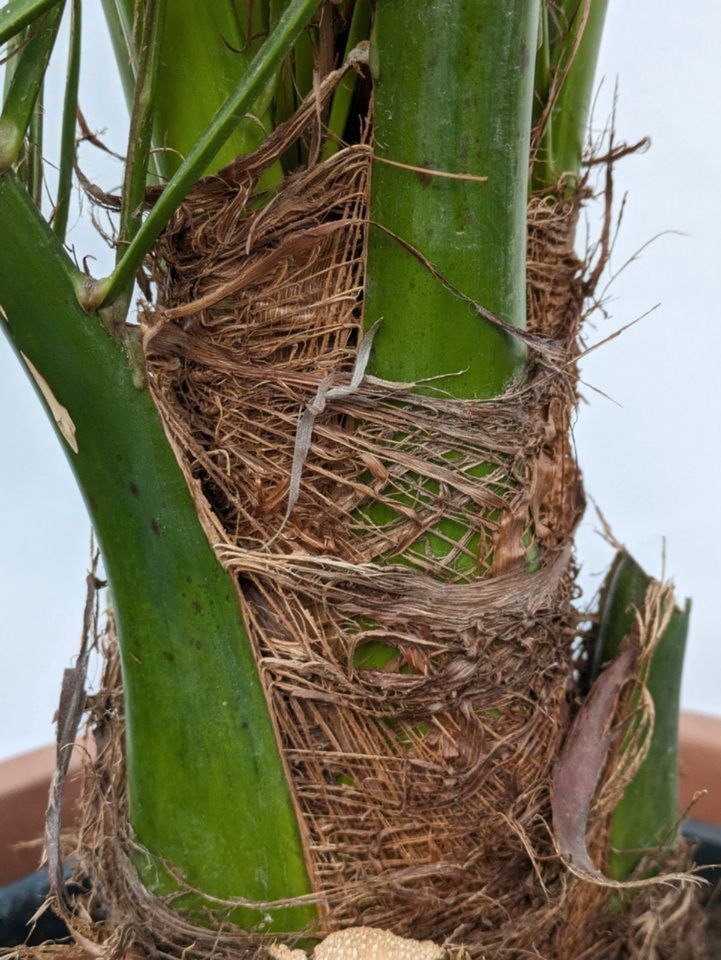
425	785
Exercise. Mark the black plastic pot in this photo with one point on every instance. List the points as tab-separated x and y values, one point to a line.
19	902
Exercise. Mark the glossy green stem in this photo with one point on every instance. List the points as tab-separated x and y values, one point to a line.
26	85
453	88
204	54
570	113
453	92
34	172
262	68
648	813
207	786
10	56
542	157
141	123
69	123
17	14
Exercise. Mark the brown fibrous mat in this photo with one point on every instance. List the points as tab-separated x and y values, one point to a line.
424	787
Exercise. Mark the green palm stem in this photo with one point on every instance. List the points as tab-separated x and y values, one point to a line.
437	69
262	69
647	815
648	812
25	86
10	58
33	169
139	143
69	122
204	55
542	133
453	92
575	33
148	44
18	14
207	785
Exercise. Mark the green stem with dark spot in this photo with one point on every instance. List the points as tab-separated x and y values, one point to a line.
207	785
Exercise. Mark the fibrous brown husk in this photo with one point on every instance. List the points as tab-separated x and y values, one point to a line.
425	784
425	780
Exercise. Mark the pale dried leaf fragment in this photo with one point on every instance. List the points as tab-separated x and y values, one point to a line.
60	413
363	943
279	951
368	943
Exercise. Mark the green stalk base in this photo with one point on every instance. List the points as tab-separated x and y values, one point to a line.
207	786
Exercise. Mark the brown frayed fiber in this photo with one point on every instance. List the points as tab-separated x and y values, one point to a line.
427	779
424	784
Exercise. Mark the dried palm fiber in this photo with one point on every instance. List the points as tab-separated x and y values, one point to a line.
427	779
423	787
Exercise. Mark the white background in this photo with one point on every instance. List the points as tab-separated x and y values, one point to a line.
650	454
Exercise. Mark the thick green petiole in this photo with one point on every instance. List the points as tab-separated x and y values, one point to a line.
69	122
207	786
261	69
453	90
453	93
648	813
204	54
25	86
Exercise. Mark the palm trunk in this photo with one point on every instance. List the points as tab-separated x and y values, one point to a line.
367	699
